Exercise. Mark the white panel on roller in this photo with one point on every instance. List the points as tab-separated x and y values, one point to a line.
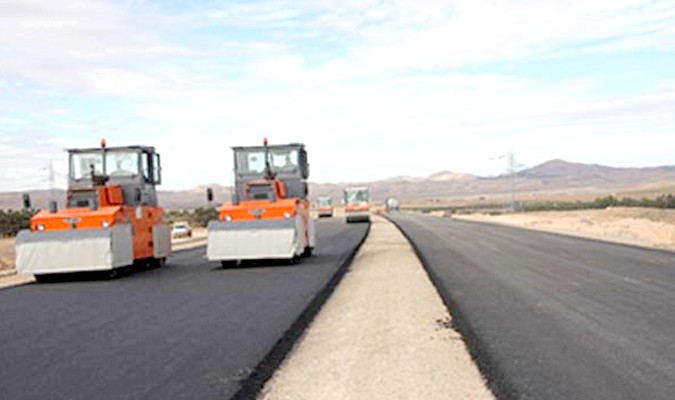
357	216
161	239
259	239
311	230
73	250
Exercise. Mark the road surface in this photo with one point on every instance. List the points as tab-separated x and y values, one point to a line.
554	317
191	330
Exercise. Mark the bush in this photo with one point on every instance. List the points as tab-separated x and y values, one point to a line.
197	217
11	222
663	201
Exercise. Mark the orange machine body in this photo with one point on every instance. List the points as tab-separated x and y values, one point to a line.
357	207
111	211
259	209
269	217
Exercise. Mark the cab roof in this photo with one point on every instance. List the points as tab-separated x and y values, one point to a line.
271	146
149	149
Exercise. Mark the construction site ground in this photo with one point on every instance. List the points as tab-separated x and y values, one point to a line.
646	227
383	334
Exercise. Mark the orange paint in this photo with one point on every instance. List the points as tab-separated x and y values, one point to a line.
249	210
84	218
357	207
262	209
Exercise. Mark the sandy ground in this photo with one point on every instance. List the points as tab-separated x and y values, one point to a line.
6	255
383	334
647	227
8	275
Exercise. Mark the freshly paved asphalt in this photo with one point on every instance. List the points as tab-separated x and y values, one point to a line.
191	330
554	317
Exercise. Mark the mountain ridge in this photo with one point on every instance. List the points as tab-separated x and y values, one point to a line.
550	176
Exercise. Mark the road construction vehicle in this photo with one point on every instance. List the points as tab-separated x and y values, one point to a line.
111	219
391	205
324	207
268	217
357	204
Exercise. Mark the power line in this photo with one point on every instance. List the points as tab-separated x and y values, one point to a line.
512	167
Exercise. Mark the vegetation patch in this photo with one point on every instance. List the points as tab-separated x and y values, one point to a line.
197	217
11	221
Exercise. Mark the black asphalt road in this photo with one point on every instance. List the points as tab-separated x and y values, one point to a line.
554	317
188	331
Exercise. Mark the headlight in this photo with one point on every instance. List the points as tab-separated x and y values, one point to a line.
105	224
40	227
287	214
228	218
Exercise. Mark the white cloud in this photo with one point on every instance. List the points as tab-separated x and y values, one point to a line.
385	97
87	45
26	166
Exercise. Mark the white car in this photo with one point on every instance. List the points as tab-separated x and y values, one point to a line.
181	229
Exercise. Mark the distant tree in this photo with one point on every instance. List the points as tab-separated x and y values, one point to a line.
202	216
11	222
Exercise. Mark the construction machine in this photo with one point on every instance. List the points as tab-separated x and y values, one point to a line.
357	204
391	205
268	217
111	219
324	207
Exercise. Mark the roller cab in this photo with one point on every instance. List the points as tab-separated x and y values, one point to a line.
269	215
111	219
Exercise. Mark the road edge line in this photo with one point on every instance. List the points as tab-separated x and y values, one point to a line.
495	380
264	370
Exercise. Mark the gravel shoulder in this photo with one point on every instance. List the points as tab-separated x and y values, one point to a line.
383	334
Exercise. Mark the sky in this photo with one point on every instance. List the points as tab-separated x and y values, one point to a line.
374	88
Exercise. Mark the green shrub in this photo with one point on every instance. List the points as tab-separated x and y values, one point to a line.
11	222
196	217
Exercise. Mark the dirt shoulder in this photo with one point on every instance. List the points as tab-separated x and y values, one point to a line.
383	334
647	227
6	256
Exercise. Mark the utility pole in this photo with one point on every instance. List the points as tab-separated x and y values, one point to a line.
52	180
511	168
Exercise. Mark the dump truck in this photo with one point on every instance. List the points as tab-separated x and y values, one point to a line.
269	215
324	207
357	204
111	218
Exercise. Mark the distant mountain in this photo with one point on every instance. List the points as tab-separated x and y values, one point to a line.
403	178
565	174
451	176
193	198
551	176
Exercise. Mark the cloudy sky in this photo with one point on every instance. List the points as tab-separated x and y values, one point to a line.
374	88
